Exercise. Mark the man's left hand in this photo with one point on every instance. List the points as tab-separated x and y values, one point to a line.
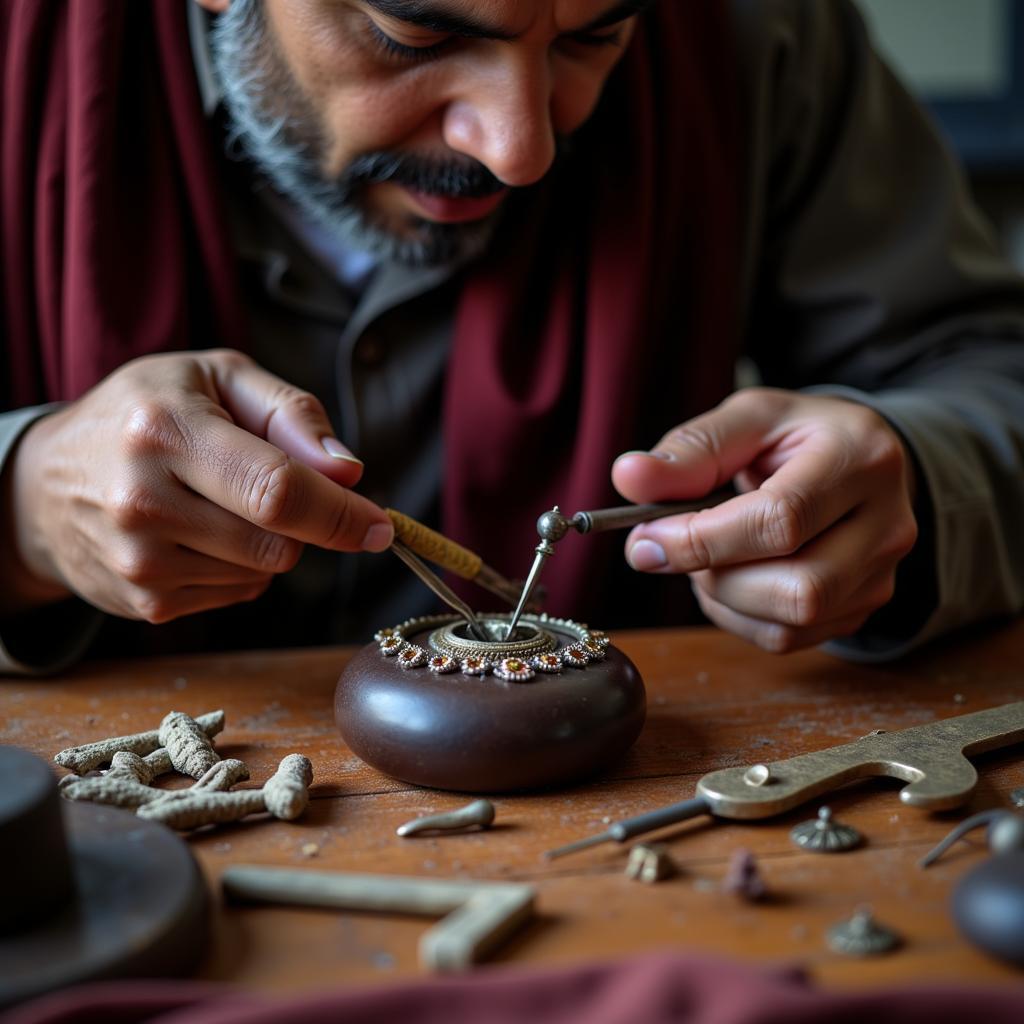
809	548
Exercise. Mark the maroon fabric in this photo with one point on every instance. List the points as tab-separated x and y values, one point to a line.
658	989
604	318
607	313
114	242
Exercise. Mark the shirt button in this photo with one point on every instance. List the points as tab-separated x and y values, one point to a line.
369	352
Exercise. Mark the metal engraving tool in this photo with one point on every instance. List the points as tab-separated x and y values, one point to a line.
553	526
931	758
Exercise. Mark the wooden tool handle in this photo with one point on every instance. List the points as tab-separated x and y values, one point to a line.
434	547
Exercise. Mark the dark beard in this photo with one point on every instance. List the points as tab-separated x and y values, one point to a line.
272	124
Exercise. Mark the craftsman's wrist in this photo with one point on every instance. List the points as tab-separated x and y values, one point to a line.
26	568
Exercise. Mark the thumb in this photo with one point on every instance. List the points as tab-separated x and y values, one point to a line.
288	417
702	454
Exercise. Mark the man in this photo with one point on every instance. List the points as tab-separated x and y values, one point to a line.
501	243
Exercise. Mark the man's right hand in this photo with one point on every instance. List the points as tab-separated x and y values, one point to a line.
179	483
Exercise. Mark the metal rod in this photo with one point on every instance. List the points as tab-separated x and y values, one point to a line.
544	550
620	831
439	587
625	516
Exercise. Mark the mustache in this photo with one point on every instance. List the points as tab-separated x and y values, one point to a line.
455	179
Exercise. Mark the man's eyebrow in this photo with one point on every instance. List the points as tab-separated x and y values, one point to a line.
436	18
620	12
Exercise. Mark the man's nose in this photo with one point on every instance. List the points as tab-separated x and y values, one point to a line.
504	122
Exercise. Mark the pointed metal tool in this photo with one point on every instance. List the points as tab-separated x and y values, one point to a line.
439	587
553	526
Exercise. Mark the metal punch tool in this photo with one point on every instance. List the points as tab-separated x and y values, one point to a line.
931	759
553	526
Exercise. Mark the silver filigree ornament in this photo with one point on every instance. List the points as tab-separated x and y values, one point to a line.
824	835
575	657
534	647
514	670
549	662
391	645
861	935
442	664
412	656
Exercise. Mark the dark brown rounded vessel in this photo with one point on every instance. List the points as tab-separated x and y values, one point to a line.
483	734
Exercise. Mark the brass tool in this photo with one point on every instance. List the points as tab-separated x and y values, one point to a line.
931	758
442	551
553	526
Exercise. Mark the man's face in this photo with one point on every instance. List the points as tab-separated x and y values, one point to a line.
408	121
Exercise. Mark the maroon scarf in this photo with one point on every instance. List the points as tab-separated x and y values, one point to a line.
604	317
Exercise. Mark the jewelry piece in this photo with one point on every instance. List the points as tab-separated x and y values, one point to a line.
533	648
861	935
391	644
514	670
592	649
575	657
823	835
442	664
412	656
549	662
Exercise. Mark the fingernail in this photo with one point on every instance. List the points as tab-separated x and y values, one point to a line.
664	456
646	555
337	450
379	537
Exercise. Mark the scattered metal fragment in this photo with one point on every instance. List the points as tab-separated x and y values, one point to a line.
650	862
479	915
757	775
744	878
823	835
479	813
861	935
94	755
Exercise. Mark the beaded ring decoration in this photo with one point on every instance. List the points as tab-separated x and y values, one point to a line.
513	670
534	649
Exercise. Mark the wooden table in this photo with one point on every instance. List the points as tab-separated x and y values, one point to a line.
713	702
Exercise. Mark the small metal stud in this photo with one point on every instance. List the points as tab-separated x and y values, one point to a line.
757	775
823	835
861	935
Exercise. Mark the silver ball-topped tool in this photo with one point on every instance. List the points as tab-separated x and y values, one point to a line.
825	835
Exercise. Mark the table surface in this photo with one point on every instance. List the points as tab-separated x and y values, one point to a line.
713	702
